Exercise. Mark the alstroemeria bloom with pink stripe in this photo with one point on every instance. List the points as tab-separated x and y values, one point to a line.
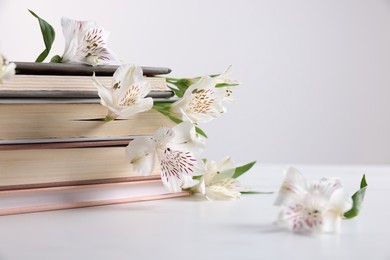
126	95
176	149
218	182
311	207
201	102
86	42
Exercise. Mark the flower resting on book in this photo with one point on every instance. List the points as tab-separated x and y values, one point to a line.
86	42
201	102
176	149
126	96
311	207
7	69
201	98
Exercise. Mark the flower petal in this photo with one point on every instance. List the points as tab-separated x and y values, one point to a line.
162	136
173	183
142	106
104	93
9	70
339	203
293	188
325	187
227	189
185	138
174	164
225	170
189	182
141	153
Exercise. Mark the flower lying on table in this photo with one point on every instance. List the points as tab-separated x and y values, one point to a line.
219	182
317	206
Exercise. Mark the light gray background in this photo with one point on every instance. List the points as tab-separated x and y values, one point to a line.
316	74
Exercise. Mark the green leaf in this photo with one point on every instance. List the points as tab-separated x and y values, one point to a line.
48	35
221	85
201	132
181	85
165	111
357	200
256	192
56	59
243	169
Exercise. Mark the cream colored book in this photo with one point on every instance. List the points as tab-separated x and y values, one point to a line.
69	86
63	164
45	199
25	120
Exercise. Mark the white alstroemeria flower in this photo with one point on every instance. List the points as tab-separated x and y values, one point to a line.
176	150
126	96
201	102
85	42
7	69
225	79
311	207
217	183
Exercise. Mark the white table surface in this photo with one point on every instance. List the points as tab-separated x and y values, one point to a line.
194	228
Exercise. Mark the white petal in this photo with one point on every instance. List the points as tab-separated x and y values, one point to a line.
222	192
9	70
225	170
204	82
201	188
189	182
196	118
211	172
293	188
225	77
174	164
172	183
104	93
123	75
141	153
70	34
186	138
162	136
339	203
228	95
325	187
142	106
297	219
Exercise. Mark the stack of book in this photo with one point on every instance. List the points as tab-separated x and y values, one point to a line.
56	152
